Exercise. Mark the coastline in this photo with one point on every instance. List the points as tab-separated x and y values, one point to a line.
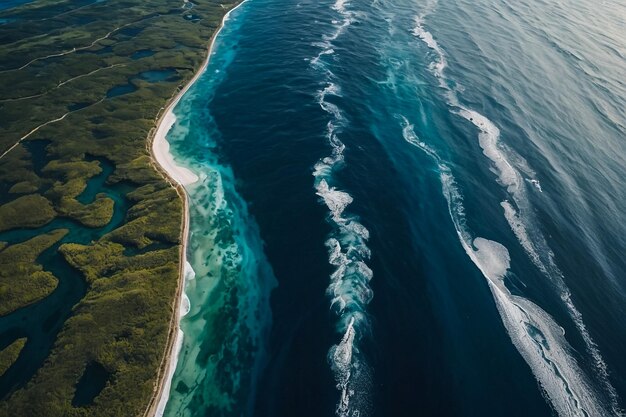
178	177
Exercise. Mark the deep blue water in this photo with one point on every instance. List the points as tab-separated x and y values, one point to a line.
438	189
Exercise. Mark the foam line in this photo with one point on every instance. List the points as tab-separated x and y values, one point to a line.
349	290
534	333
518	210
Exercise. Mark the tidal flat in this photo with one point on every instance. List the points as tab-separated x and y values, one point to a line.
90	231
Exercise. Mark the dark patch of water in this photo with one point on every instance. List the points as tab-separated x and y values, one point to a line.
142	53
9	338
120	90
131	32
95	184
151	76
77	106
92	382
102	51
155	76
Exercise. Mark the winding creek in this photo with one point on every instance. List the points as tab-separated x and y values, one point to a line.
42	321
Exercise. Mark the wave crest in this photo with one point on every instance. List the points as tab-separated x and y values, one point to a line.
349	290
518	212
535	334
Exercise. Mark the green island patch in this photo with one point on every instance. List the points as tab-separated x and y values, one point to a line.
9	354
31	210
22	280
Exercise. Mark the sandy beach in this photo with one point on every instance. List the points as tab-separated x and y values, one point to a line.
178	177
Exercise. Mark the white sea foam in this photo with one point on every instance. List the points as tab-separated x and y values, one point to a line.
330	89
340	6
535	184
521	219
328	51
522	236
488	139
409	135
189	272
541	343
493	257
438	66
534	333
507	164
326	45
335	200
348	290
341	359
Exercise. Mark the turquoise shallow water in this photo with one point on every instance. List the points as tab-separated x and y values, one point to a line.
228	280
436	189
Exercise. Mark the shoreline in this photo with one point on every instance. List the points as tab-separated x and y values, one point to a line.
178	177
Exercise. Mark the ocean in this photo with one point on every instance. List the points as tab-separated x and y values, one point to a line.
406	208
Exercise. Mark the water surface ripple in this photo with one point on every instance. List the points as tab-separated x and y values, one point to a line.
435	186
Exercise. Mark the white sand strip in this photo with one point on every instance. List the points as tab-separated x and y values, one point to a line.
181	176
161	152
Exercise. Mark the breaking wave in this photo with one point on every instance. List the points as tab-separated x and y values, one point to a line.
535	334
349	288
507	164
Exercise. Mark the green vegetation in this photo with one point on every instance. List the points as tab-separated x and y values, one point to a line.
22	281
9	355
23	187
16	168
96	214
121	323
31	210
69	80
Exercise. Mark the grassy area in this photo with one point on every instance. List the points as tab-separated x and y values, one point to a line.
9	355
120	324
31	210
22	280
71	79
